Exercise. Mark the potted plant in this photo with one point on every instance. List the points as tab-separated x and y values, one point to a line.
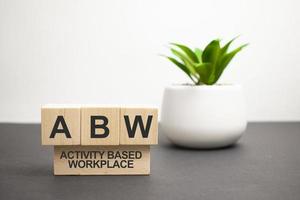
203	114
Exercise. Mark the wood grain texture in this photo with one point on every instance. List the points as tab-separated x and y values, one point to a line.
62	166
131	114
71	116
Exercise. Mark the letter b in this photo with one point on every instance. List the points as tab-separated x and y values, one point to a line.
99	126
95	126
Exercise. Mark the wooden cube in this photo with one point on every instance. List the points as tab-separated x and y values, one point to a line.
99	125
138	126
60	125
102	160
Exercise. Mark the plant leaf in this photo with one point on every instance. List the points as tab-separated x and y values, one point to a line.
225	60
186	60
181	66
211	52
198	53
203	70
211	55
188	52
224	49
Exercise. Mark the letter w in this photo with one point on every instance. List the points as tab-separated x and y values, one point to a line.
138	121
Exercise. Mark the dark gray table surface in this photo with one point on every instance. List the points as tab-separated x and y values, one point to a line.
265	164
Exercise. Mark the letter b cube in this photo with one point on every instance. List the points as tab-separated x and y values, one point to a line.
99	126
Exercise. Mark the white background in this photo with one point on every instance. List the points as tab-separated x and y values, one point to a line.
59	51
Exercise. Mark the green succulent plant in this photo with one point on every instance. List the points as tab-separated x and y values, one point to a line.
204	66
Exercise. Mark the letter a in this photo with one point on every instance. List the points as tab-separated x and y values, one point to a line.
60	120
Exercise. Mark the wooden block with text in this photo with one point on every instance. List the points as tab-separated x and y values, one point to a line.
138	126
60	125
102	160
99	125
99	140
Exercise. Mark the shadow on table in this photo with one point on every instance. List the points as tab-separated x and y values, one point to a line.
177	147
168	145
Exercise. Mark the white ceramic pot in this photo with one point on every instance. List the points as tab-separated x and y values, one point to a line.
203	116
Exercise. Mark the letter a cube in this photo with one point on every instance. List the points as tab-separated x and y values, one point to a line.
60	125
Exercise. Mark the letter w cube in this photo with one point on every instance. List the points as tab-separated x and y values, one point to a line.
138	126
